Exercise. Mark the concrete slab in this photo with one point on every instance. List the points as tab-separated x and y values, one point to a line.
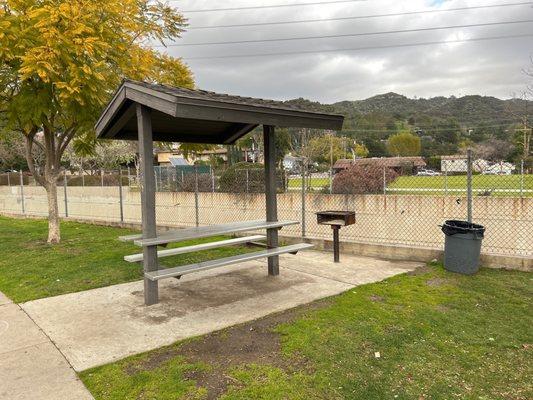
39	372
4	299
17	331
352	269
103	325
31	367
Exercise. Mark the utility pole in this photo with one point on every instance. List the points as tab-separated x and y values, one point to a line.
526	140
331	162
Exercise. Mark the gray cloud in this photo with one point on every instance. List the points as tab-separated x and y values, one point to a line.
486	68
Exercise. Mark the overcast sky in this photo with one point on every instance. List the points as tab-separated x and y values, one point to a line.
484	67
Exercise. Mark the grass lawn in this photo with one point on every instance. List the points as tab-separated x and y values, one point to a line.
458	182
439	336
88	257
317	183
489	182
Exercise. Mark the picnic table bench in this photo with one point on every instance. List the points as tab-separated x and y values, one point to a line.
209	231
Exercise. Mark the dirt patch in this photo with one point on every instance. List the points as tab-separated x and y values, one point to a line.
377	299
214	291
442	308
436	282
422	270
253	342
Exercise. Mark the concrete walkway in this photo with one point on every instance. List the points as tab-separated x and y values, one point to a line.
99	326
31	366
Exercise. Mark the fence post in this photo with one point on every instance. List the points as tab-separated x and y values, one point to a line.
384	181
446	179
303	199
102	178
8	179
469	184
120	195
522	178
65	193
213	179
22	193
331	180
247	180
196	202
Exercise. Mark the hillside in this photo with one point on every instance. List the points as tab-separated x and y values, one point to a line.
441	122
467	109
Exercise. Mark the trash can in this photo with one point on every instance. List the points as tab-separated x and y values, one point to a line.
462	246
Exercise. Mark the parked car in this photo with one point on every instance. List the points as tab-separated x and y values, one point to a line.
427	172
496	172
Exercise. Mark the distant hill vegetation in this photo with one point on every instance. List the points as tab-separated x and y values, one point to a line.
443	123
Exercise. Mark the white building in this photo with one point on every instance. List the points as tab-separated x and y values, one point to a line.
291	163
500	168
457	163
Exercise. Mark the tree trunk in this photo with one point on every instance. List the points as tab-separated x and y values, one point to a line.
54	235
53	147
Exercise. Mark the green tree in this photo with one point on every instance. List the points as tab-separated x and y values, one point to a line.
404	144
326	148
361	151
60	61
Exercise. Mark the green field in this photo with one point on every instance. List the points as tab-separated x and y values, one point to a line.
439	336
506	185
316	183
88	257
497	185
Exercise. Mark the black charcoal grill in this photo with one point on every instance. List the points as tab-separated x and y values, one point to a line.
335	219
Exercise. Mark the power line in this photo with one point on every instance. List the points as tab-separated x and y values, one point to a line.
304	21
273	6
499	121
429	129
502	120
480	39
474	124
349	34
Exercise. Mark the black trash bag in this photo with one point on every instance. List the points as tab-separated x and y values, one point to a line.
453	227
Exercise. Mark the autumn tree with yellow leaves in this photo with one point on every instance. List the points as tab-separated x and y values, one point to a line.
60	62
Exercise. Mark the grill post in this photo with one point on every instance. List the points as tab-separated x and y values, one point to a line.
336	249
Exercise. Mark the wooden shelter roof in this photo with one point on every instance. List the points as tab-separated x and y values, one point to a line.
197	116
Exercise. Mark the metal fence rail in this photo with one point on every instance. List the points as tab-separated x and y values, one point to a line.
393	206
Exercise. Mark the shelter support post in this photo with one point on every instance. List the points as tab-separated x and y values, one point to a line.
271	195
150	262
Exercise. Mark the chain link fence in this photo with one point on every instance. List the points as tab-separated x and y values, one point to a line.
397	202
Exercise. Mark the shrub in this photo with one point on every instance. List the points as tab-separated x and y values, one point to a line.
205	183
362	180
236	179
14	179
94	180
434	162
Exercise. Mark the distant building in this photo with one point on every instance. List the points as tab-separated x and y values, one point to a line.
480	165
396	163
456	163
291	163
178	161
